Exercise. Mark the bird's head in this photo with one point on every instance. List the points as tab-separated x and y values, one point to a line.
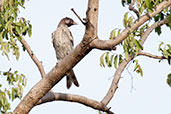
67	21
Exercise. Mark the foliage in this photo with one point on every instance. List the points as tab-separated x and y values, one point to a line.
100	112
144	6
12	28
16	83
132	44
165	49
169	79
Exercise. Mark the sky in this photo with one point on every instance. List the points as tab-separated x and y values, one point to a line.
143	95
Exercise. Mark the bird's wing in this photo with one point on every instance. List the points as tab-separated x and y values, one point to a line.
62	41
67	33
53	39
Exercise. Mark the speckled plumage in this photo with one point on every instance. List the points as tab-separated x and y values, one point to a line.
63	44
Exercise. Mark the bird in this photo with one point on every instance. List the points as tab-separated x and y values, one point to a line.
63	44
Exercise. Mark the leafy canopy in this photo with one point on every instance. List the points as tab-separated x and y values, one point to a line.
12	28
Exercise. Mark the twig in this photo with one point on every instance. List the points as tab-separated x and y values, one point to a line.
131	7
72	9
151	55
33	57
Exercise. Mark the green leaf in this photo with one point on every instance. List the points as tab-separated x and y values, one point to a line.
169	79
6	15
102	60
135	53
130	20
158	30
25	28
138	44
120	59
115	61
112	34
18	24
159	48
125	19
20	91
165	53
119	32
169	61
141	71
126	53
30	30
110	61
136	64
168	45
148	4
138	68
16	72
128	1
21	3
5	35
7	24
107	57
123	2
18	30
156	18
24	80
13	94
1	27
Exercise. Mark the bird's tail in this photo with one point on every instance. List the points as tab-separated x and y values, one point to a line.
70	77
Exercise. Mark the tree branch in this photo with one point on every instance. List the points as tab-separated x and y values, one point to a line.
152	27
72	9
150	55
103	44
131	7
74	98
124	63
33	57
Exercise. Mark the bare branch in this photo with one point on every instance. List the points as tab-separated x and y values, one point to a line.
103	44
33	57
115	81
72	9
131	7
150	55
49	97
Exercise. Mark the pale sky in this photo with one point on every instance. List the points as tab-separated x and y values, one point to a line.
150	93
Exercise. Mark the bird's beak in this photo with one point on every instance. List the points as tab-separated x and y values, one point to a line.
74	23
